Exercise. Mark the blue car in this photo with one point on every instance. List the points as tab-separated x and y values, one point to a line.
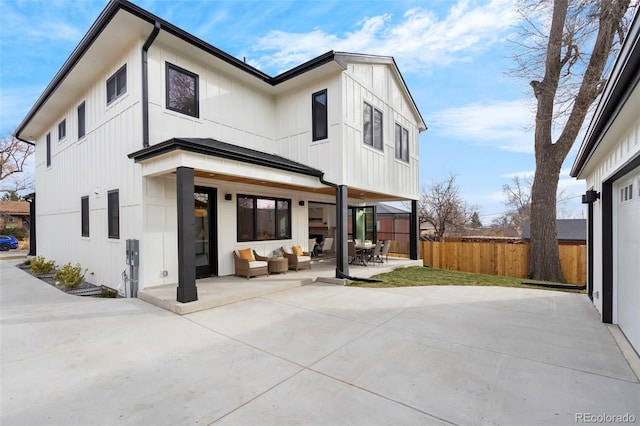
8	242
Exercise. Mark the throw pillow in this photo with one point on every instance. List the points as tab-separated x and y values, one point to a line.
246	254
297	250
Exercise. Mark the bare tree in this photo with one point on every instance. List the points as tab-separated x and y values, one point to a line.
440	205
518	201
13	158
565	51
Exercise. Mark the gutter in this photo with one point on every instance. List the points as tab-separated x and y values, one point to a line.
145	83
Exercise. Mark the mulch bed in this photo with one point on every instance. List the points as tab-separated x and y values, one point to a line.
84	289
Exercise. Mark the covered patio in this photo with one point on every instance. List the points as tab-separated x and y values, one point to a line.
219	291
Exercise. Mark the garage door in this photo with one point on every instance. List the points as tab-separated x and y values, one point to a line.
628	256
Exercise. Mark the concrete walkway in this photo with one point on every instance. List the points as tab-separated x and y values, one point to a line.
317	354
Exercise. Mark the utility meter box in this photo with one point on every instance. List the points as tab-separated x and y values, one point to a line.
133	252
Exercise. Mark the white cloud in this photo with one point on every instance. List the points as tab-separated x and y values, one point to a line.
418	40
505	125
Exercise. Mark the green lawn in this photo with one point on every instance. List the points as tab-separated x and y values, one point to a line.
416	276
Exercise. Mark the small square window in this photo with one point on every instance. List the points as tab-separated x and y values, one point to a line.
117	84
62	130
182	91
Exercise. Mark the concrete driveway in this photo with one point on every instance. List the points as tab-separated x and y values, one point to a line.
318	354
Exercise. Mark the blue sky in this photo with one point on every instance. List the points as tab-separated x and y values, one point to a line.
453	55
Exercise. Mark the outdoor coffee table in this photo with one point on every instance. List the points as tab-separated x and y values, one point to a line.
278	265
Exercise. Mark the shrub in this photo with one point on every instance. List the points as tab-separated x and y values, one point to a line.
70	276
20	233
39	265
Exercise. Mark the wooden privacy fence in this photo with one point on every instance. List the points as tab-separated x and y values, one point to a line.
510	260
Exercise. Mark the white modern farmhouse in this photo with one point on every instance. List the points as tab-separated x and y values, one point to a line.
609	161
148	133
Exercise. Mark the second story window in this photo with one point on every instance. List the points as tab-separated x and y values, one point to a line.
319	115
84	215
113	214
372	126
182	90
117	84
81	121
48	149
62	130
402	143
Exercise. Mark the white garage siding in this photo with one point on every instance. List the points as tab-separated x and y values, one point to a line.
626	255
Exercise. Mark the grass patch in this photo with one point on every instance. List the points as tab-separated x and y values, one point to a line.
421	276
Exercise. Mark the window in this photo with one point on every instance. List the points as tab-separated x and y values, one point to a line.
48	149
319	115
182	90
113	213
84	215
372	127
402	143
261	218
81	121
62	130
117	84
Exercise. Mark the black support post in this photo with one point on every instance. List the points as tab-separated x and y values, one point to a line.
414	232
342	215
31	198
187	290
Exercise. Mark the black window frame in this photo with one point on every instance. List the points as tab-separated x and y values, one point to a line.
113	214
62	130
401	136
373	135
84	216
119	83
82	121
169	67
319	115
254	218
48	144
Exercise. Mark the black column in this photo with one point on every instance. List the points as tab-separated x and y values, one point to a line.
342	215
187	291
590	250
414	231
607	252
31	198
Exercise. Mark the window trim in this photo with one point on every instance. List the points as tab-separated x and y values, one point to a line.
84	216
319	130
168	67
114	78
48	147
82	120
255	199
113	232
380	132
62	130
403	131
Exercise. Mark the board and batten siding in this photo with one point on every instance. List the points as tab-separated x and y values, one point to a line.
91	167
229	110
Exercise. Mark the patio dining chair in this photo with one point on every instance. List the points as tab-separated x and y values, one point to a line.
376	253
355	256
385	251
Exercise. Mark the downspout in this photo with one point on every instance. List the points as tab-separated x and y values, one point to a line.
145	84
341	223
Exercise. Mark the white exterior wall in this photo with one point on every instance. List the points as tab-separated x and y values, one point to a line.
92	166
620	145
230	110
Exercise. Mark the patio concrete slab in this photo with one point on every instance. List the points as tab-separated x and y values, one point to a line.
317	354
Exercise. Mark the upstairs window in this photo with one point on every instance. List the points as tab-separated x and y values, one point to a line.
372	126
113	214
81	121
182	91
48	149
319	115
261	218
84	215
62	130
402	143
117	84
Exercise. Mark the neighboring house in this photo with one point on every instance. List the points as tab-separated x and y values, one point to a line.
392	222
14	214
147	130
570	231
609	161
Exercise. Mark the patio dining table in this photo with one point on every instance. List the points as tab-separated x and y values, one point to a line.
365	249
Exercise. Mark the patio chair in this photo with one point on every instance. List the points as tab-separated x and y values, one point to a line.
249	264
355	256
376	253
385	251
313	247
298	259
327	245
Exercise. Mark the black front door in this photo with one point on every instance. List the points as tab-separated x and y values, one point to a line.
206	235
